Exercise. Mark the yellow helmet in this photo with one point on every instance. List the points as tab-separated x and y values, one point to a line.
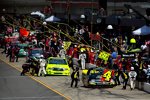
132	40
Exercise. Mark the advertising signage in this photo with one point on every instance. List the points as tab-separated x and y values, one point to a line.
128	55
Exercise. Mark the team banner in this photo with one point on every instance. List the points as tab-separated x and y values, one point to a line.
66	44
104	55
24	32
95	37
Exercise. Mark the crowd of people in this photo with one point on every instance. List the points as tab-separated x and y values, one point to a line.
51	41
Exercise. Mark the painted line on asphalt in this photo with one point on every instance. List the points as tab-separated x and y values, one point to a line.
47	86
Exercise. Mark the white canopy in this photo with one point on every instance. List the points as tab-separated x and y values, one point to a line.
52	19
144	30
38	13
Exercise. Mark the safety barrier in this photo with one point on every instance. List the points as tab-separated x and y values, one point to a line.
143	86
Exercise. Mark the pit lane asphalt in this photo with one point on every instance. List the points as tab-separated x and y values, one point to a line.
61	86
16	87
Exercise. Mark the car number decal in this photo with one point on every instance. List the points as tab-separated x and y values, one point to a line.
107	75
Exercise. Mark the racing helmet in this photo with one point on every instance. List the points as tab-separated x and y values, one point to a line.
81	51
62	46
132	68
132	41
75	45
41	57
40	60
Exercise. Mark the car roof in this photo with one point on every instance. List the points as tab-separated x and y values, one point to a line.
56	58
36	48
22	44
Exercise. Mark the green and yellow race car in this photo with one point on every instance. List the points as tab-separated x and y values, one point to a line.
98	77
57	66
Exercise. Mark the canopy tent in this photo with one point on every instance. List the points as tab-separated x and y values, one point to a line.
38	13
144	30
52	19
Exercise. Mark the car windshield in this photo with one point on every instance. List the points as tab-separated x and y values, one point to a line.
22	46
58	61
36	51
97	71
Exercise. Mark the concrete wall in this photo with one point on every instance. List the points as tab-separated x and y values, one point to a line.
143	86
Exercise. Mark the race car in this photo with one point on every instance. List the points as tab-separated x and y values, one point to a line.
22	52
98	77
37	52
57	66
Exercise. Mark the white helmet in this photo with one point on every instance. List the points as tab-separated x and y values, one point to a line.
75	45
62	46
132	68
143	47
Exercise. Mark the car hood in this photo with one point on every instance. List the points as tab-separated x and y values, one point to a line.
57	66
37	55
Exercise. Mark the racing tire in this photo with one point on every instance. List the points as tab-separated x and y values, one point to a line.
85	83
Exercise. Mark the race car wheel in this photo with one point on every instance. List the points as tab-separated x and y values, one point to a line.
85	83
